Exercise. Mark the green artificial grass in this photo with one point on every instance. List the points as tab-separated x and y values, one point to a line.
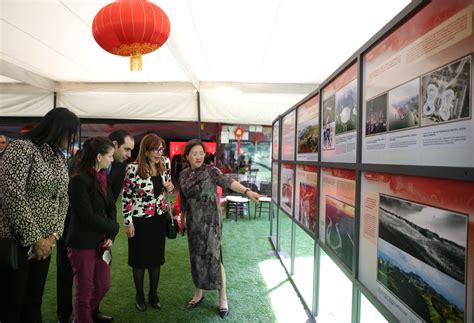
245	245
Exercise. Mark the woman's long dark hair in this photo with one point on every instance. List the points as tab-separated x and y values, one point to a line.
57	124
91	148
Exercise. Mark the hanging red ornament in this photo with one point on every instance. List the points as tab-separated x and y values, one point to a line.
131	28
238	134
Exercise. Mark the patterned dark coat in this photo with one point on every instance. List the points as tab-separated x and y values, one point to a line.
33	192
201	205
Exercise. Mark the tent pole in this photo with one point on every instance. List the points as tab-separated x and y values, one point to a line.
198	97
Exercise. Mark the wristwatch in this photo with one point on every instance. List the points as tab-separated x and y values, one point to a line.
246	190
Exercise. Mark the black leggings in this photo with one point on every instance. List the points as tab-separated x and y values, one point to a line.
138	278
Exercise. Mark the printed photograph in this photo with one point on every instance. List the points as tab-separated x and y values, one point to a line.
403	106
346	108
422	257
329	110
429	293
275	181
308	138
287	188
276	129
307	206
376	115
329	132
340	229
445	93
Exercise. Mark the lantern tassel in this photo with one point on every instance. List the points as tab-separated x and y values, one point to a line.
135	62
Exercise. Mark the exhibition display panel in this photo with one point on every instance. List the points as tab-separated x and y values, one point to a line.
418	90
308	130
337	212
414	242
288	136
339	117
373	176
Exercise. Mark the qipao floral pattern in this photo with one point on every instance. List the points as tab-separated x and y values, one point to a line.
204	225
138	198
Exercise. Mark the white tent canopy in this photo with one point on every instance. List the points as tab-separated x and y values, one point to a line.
249	60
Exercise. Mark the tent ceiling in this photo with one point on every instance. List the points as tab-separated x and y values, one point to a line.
264	42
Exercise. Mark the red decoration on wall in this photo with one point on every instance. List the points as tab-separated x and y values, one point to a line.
26	129
131	28
238	134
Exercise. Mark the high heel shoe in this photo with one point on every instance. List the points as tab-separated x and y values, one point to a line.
192	304
223	312
140	305
154	302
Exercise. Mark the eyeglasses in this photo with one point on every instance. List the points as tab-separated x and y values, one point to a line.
157	150
198	154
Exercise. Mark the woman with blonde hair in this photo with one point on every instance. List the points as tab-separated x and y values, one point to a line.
144	208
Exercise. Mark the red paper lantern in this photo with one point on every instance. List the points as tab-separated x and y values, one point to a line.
238	132
131	28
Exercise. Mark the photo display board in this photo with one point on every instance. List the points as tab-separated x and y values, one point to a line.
417	245
275	141
418	88
287	189
288	136
275	181
308	130
339	129
337	212
306	199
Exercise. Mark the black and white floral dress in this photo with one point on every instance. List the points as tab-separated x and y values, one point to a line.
144	205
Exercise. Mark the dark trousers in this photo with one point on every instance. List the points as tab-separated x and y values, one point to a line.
22	290
92	277
64	281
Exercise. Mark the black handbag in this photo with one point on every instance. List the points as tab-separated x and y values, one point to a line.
8	254
171	227
171	224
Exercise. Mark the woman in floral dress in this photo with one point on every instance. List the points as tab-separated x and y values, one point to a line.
144	210
200	207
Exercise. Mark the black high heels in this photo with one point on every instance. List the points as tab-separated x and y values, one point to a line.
140	306
223	312
192	304
140	303
154	302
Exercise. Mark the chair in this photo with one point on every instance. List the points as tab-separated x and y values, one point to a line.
251	178
237	205
264	203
